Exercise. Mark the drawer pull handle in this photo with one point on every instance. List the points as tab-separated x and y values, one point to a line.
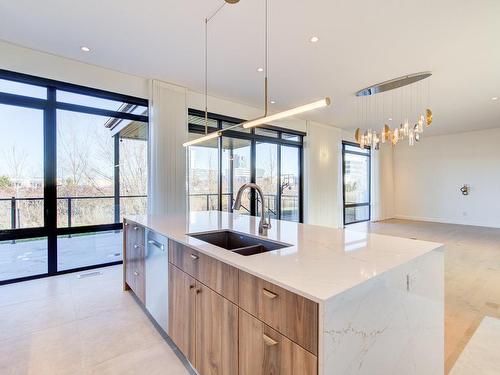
269	294
269	341
136	246
136	273
194	257
191	287
157	244
136	228
198	291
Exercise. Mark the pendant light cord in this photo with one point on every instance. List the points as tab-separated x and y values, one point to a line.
206	76
207	20
266	93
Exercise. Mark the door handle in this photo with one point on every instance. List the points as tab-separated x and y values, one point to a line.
157	244
194	257
269	341
136	246
269	294
136	273
136	228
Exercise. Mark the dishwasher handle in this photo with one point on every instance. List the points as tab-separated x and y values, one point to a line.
157	244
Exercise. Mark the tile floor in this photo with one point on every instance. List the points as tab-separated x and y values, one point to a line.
69	326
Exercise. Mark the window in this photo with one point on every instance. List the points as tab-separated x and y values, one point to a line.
65	188
204	176
268	156
356	181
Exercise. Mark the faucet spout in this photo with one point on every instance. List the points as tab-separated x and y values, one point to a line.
264	224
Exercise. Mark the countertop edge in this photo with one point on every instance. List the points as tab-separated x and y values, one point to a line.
320	300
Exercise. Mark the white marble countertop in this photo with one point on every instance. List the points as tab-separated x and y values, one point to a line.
321	263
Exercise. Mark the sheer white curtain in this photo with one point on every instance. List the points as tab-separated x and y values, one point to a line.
167	157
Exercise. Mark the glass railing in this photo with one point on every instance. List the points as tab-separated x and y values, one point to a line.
16	213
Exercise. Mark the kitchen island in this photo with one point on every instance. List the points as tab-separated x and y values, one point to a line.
331	301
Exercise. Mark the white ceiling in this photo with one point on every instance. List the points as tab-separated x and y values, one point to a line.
361	42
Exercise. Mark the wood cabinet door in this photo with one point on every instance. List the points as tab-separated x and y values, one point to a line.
129	241
292	315
181	307
216	333
135	260
264	351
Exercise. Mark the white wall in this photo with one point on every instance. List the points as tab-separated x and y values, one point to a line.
28	61
428	177
167	164
323	175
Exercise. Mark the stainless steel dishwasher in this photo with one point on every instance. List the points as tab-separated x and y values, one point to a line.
157	278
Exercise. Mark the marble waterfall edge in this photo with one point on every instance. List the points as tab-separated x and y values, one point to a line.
391	324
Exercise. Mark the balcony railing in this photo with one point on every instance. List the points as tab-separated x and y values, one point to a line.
64	204
289	204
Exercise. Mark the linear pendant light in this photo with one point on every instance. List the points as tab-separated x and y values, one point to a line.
288	113
261	120
202	139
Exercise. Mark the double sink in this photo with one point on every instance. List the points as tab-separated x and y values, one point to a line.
238	243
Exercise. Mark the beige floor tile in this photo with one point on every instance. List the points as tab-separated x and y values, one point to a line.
31	316
113	333
52	351
35	289
155	360
90	302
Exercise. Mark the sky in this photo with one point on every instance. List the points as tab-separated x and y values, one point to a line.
22	128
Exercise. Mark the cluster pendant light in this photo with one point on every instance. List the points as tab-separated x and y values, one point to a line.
266	118
406	103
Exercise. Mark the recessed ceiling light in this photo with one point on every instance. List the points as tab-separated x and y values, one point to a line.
494	98
273	102
389	119
85	49
260	69
314	39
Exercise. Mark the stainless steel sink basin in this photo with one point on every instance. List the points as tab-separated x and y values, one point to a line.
239	243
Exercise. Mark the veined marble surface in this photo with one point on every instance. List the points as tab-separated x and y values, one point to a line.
392	324
482	353
320	263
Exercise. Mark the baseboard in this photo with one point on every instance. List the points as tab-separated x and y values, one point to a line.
446	221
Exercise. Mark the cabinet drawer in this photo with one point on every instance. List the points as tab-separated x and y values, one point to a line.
292	315
216	275
134	259
262	351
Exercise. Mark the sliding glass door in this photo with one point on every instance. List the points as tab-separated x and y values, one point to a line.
22	189
356	181
73	160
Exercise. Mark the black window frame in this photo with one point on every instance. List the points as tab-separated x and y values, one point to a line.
351	205
254	138
50	106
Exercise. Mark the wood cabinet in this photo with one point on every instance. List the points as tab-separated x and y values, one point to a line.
292	315
216	333
203	325
227	322
263	351
134	259
218	276
182	294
